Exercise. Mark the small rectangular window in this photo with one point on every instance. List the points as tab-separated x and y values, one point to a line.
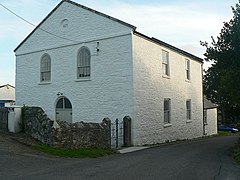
188	108
165	63
187	69
167	106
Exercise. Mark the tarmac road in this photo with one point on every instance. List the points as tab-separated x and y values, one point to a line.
202	159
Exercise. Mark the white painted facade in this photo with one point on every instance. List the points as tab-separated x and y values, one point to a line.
151	87
126	75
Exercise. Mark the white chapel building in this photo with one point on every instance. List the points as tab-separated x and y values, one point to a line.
79	64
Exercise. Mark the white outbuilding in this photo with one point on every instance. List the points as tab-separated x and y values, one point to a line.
7	95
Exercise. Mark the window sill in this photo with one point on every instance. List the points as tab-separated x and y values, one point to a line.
44	83
189	121
83	79
166	76
167	125
187	80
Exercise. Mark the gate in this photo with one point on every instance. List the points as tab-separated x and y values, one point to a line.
4	119
121	133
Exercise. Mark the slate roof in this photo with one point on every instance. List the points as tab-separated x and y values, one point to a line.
208	104
173	48
7	85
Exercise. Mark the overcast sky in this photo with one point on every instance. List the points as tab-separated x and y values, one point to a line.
182	23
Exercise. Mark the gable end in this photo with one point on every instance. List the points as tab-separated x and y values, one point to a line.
78	5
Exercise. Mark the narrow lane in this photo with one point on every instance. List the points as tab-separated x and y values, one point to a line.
202	159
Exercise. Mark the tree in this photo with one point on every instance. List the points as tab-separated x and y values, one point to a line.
222	80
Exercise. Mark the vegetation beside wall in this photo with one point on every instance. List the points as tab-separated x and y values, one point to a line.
236	152
76	153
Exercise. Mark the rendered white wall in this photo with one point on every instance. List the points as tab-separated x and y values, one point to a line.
109	93
14	119
150	89
83	26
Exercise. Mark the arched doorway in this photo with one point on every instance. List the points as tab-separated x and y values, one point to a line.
64	110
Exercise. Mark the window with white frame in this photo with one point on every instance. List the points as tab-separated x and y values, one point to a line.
83	63
167	111
165	63
188	109
45	70
187	69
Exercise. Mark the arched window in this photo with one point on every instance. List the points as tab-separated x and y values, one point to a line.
83	63
45	70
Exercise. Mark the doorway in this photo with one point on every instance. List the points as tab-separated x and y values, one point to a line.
64	110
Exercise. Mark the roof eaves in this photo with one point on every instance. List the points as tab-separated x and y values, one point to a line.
169	46
38	26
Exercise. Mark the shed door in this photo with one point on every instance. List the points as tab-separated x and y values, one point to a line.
64	110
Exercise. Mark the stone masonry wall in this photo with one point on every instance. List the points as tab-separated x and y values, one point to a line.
37	124
64	134
81	134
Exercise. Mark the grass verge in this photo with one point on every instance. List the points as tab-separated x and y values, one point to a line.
75	153
236	152
225	133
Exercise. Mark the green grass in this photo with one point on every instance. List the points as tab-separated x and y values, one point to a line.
75	153
236	152
225	133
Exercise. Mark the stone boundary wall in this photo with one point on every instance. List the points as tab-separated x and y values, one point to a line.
63	134
36	123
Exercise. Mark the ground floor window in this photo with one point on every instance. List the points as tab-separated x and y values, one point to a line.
167	111
188	108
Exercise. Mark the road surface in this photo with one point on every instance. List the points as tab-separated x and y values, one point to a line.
202	159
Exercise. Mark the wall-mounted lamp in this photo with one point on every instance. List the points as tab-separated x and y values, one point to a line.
59	94
97	47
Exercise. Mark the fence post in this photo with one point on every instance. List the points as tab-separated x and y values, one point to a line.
127	139
116	133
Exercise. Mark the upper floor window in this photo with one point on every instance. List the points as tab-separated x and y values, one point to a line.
45	71
165	63
187	69
167	110
83	63
188	108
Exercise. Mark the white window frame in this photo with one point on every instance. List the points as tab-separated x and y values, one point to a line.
187	69
45	68
165	63
84	63
189	109
167	110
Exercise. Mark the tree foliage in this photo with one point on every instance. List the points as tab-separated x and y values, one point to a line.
222	80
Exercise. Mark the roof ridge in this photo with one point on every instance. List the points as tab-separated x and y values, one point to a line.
7	85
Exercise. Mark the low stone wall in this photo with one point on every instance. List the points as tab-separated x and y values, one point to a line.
64	134
81	134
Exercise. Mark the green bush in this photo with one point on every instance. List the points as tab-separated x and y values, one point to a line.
236	152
